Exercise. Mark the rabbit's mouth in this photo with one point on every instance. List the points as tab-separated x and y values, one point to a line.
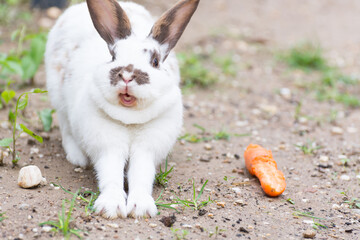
127	100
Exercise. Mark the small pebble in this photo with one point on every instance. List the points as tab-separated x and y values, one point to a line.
310	233
221	204
345	177
46	228
210	215
285	93
208	147
324	158
303	120
23	135
113	225
78	170
337	131
187	226
29	176
336	206
24	206
34	150
236	190
205	159
35	230
240	202
153	225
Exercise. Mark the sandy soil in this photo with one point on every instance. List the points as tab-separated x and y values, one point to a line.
249	104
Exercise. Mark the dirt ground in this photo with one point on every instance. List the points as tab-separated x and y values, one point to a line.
251	105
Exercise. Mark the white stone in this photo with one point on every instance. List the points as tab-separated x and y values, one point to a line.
208	146
337	131
303	120
308	222
236	190
29	176
24	206
78	170
113	225
187	226
336	206
345	177
342	157
34	150
23	135
153	225
285	93
324	158
46	228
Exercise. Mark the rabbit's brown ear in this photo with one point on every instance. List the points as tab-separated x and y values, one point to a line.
169	28
109	19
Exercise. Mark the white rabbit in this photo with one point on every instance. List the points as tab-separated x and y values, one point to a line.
114	82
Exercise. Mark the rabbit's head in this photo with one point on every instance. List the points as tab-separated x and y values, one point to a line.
138	71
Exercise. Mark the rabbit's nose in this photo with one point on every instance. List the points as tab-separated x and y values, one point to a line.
127	77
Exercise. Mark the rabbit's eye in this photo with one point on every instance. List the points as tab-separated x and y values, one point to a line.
155	62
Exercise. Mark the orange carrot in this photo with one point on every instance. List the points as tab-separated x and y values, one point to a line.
260	162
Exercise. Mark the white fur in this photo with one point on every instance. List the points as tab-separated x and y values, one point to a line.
95	126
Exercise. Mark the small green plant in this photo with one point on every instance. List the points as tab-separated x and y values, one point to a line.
205	135
191	138
309	147
22	63
2	216
289	200
226	178
46	118
160	203
195	204
332	85
193	71
17	129
64	220
318	226
305	56
352	202
226	64
88	197
217	232
179	236
162	178
222	135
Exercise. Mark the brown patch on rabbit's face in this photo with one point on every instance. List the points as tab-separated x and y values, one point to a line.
139	76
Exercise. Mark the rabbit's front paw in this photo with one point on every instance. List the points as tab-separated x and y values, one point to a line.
111	204
140	205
